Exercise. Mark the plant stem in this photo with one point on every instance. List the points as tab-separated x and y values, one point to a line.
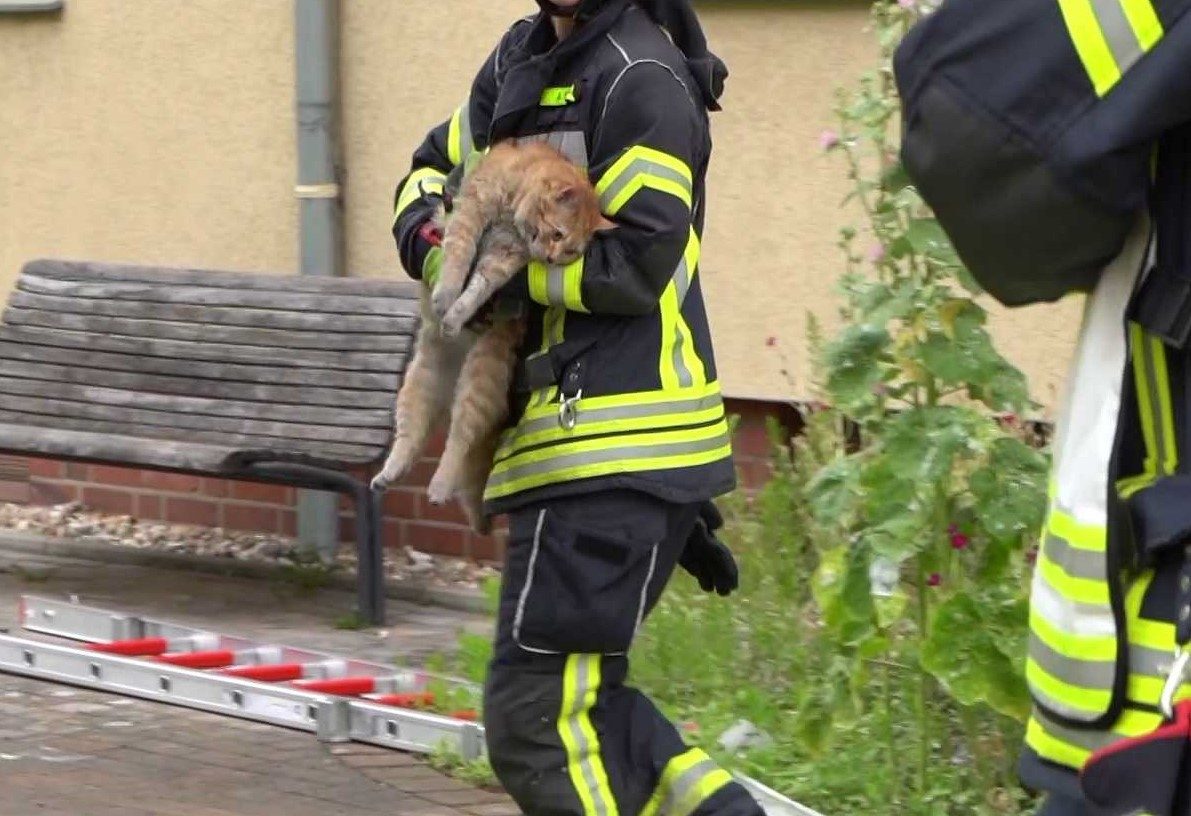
894	786
967	716
923	683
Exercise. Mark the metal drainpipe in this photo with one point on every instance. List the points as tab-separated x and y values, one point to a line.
316	40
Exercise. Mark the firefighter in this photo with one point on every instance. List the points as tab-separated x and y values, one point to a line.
1053	140
619	440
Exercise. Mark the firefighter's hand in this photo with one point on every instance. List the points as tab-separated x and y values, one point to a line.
706	557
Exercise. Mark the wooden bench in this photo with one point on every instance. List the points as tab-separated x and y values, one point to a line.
280	379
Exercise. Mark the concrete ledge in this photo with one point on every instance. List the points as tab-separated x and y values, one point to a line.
17	542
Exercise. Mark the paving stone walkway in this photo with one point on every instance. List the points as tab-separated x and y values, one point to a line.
73	752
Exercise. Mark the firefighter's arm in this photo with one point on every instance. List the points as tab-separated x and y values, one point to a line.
646	151
444	148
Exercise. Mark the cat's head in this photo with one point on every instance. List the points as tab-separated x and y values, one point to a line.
558	213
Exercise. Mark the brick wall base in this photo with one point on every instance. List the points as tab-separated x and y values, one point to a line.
409	518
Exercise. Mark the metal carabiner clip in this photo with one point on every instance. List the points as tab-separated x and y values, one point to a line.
1178	673
568	411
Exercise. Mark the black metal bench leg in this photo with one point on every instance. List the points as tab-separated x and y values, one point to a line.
370	556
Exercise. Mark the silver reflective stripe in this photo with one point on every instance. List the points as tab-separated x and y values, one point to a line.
677	801
685	378
635	169
571	143
502	474
1076	562
1093	674
615	412
682	280
1091	740
555	284
1118	33
1080	619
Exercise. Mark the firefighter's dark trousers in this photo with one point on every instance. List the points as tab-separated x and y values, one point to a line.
565	734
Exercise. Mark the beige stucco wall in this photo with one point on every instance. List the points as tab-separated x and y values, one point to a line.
160	131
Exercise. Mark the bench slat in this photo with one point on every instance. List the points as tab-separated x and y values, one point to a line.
191	386
352	383
43	432
345	419
387	358
92	271
18	435
234	335
180	422
210	295
212	315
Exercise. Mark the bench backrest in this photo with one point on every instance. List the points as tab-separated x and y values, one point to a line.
304	365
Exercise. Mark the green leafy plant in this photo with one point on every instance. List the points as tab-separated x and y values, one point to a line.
938	505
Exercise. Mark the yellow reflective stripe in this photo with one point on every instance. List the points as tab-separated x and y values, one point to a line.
640	167
455	137
553	325
675	768
580	684
1143	19
643	180
1132	723
669	317
572	286
1092	701
611	426
552	285
1078	534
1086	647
1169	453
585	445
1091	45
1081	590
679	365
703	790
537	283
500	484
558	97
432	266
423	178
1053	749
631	398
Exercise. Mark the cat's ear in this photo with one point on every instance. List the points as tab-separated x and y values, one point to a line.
566	193
604	225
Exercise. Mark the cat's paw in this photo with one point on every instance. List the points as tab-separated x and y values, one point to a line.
442	299
441	489
398	464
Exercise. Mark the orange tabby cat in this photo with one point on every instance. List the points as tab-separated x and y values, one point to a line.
522	202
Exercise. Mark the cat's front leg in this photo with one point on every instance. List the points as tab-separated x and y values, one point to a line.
501	261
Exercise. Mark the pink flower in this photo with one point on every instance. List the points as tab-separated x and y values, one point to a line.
959	541
876	253
770	341
828	139
934	579
1032	556
909	5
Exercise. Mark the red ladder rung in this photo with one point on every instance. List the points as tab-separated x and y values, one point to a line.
268	673
413	699
199	660
347	686
139	647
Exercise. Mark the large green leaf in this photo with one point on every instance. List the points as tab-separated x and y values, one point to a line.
1010	490
962	354
843	591
854	364
963	653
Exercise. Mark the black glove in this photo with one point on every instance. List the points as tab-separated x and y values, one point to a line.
706	557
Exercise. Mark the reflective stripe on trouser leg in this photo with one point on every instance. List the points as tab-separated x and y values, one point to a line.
580	685
688	780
